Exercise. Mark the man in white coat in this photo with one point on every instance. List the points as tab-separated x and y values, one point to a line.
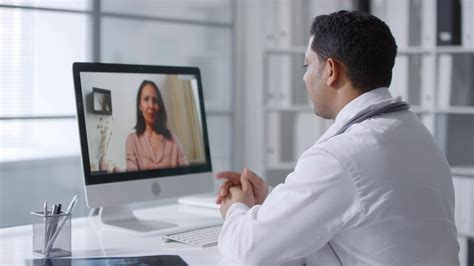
375	189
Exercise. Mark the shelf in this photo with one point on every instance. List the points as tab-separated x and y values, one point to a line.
418	109
454	49
464	110
289	50
293	108
462	171
414	108
455	171
414	50
468	110
299	50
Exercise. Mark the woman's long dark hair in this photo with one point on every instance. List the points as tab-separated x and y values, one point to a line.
160	125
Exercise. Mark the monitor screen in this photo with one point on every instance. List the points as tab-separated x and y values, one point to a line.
139	122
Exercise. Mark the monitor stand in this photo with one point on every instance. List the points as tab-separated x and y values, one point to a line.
123	218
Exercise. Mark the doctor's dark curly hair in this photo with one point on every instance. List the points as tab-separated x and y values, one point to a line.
361	42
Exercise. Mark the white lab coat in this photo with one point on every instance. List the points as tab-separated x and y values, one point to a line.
380	193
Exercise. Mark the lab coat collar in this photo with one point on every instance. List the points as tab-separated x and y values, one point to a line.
366	102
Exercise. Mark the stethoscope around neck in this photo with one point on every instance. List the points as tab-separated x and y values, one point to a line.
389	108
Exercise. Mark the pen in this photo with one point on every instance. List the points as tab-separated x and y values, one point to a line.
71	204
57	211
53	208
45	214
54	220
50	221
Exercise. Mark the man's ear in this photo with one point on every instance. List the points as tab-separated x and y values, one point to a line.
333	71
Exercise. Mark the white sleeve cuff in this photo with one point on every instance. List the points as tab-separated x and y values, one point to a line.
237	208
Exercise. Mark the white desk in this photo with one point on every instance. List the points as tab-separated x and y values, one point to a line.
92	239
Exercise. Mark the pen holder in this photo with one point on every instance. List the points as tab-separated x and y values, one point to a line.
44	230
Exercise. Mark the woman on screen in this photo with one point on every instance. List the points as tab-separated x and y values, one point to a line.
153	145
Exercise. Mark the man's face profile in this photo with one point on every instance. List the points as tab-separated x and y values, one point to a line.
315	82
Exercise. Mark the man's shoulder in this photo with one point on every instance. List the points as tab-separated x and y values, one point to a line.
319	155
372	135
336	146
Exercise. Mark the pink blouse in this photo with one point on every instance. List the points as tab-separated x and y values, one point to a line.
141	156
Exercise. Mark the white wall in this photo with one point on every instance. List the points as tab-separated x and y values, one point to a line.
44	87
25	185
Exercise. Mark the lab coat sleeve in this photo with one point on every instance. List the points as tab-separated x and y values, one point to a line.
299	217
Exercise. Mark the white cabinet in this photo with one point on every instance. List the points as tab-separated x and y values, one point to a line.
437	81
290	125
463	251
464	208
464	214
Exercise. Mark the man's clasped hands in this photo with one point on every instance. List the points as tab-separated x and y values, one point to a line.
246	187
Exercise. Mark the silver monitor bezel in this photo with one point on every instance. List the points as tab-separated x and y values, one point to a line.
114	189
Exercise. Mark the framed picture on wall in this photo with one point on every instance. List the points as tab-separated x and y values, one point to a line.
102	101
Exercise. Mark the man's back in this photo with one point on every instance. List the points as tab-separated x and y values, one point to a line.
378	193
405	190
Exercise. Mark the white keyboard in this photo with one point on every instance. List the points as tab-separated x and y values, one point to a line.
203	237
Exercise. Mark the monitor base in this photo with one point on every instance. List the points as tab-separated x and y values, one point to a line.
123	218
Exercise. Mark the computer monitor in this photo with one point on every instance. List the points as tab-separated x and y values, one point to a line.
143	137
